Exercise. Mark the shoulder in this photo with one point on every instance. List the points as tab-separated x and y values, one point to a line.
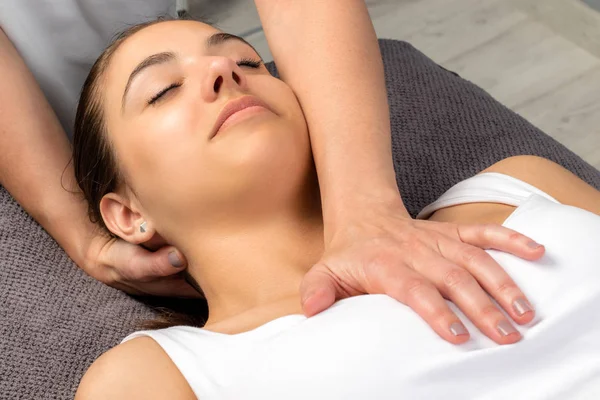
526	167
136	369
551	178
544	174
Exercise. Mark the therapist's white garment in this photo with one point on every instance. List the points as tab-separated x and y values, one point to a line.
59	40
372	347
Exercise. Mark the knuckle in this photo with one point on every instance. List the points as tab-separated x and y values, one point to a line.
473	255
415	284
441	314
488	311
156	268
378	267
414	246
414	288
456	277
109	277
112	278
487	231
507	287
419	246
514	236
137	272
152	272
381	260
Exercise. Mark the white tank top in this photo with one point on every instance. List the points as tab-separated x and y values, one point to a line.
372	347
59	40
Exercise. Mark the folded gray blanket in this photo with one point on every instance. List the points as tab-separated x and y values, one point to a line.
55	320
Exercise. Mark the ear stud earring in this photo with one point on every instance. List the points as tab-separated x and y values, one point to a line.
143	227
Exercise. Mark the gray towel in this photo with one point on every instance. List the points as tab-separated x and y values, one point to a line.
55	320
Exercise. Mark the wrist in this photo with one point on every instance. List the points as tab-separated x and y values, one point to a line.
360	205
71	227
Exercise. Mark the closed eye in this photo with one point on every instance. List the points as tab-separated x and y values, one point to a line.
249	62
164	91
244	62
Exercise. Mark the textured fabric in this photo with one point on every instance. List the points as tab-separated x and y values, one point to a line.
399	356
54	320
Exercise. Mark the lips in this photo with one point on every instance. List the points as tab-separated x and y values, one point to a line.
233	107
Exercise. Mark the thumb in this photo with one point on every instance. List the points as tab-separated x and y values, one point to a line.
146	265
317	290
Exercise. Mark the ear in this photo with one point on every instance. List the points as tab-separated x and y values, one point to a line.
123	220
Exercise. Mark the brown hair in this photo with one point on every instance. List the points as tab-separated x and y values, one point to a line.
93	160
96	169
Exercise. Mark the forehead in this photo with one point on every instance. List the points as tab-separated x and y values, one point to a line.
162	36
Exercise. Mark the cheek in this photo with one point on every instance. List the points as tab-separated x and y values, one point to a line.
280	96
161	156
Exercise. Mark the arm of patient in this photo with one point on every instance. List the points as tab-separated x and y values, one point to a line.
136	369
544	174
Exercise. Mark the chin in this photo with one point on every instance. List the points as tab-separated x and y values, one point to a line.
267	146
272	162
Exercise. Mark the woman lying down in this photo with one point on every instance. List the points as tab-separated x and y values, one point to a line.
239	197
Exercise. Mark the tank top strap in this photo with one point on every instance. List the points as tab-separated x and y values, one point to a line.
489	187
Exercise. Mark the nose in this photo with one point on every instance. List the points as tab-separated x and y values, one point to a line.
224	75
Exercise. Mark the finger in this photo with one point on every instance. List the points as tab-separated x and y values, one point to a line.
318	290
491	236
415	291
135	263
458	285
167	287
492	278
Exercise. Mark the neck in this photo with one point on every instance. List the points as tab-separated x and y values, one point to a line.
257	266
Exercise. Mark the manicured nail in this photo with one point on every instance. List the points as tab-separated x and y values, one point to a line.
458	328
534	245
175	260
505	328
522	306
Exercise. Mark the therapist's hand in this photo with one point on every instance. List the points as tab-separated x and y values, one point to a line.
134	269
378	250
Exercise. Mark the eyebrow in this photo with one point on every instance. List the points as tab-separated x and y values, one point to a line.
165	57
154	59
222	37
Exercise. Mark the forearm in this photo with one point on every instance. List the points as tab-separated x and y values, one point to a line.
327	51
35	152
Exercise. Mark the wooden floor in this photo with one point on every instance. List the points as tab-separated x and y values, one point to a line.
541	58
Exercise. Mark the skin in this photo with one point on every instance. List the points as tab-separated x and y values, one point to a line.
243	206
366	225
241	202
141	369
222	198
370	244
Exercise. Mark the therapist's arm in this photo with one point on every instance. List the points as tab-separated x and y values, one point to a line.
327	51
35	153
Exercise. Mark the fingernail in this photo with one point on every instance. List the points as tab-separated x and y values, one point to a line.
534	245
505	328
522	306
458	328
175	260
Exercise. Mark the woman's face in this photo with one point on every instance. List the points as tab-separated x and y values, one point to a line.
165	92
